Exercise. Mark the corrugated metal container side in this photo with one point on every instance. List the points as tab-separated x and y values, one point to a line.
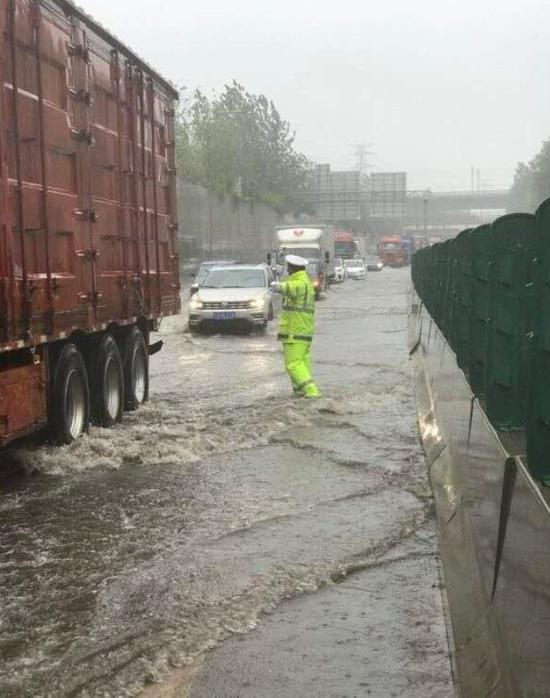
87	186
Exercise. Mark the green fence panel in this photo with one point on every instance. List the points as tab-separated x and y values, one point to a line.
488	290
451	298
435	291
433	294
510	349
438	301
538	424
480	317
461	331
446	289
455	291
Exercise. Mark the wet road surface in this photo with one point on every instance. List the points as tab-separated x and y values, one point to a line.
299	533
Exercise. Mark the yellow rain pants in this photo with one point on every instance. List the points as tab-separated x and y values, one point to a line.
297	356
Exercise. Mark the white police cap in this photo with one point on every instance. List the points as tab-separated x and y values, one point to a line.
296	261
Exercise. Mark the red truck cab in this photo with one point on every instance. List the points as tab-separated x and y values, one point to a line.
391	251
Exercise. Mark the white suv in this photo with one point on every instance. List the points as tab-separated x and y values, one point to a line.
234	294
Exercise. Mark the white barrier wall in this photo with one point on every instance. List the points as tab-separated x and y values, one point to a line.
494	528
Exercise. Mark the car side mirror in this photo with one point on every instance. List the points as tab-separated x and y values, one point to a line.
194	288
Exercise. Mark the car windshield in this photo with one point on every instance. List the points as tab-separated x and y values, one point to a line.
338	262
307	252
354	263
235	278
205	269
372	260
202	274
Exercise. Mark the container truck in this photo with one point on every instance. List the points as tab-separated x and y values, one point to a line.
314	243
88	256
391	252
345	245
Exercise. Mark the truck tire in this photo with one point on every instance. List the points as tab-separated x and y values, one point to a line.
107	384
136	370
70	403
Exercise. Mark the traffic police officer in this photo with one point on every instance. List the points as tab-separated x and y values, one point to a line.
296	325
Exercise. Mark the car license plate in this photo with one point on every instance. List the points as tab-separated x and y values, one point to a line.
224	316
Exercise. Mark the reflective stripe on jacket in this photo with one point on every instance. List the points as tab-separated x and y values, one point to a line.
297	318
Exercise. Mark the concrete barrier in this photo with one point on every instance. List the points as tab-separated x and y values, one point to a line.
494	528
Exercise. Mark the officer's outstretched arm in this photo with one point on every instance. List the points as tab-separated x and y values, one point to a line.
278	287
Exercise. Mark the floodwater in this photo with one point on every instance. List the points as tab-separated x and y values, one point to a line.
132	552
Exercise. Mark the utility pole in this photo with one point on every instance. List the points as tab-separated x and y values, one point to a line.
362	154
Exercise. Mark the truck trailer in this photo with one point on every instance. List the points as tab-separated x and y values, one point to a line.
88	254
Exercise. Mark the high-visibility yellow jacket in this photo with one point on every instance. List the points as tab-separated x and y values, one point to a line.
297	320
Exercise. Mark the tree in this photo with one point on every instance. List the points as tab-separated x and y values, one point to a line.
238	144
532	181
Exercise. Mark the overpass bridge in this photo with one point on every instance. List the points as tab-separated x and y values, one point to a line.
377	212
490	200
447	213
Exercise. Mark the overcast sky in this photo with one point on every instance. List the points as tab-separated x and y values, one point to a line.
434	87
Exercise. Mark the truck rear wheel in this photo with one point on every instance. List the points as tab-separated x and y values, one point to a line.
136	370
70	396
108	384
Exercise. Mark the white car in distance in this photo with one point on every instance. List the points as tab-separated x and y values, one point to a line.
355	269
233	295
339	271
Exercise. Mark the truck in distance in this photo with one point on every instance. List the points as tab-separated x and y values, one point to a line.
314	243
408	246
88	256
345	246
391	252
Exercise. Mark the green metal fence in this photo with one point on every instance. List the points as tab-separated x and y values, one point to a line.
488	290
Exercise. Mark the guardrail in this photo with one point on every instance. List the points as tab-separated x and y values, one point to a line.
488	291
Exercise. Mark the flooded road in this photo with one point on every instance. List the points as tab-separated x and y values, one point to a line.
227	505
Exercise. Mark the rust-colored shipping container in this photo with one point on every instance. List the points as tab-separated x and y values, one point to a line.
88	252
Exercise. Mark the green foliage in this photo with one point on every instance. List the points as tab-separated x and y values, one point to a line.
532	181
237	144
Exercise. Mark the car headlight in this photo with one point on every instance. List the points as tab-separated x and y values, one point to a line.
258	303
195	303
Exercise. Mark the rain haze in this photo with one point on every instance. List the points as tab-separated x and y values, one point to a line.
431	88
274	411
